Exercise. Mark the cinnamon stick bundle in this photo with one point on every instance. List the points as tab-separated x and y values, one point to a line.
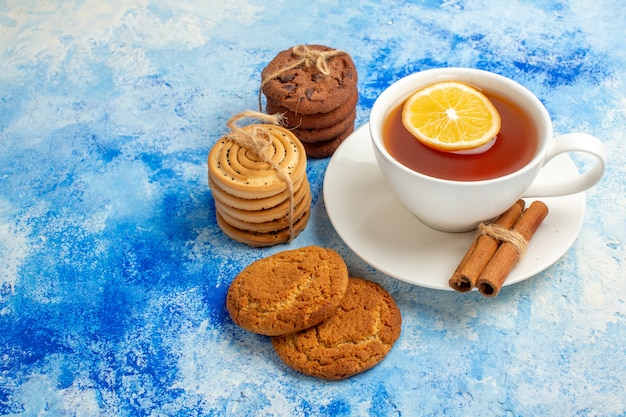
509	253
478	255
497	249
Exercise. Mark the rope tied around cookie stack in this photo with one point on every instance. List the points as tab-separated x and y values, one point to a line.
311	57
304	56
258	140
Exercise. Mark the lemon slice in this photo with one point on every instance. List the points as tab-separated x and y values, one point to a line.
451	116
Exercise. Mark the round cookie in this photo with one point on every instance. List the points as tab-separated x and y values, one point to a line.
288	291
269	226
357	337
317	120
252	204
238	172
304	89
262	239
266	215
326	133
326	148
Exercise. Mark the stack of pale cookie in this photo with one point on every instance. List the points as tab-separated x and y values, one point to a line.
322	322
315	88
254	204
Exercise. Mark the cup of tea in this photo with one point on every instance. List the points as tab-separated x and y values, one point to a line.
455	192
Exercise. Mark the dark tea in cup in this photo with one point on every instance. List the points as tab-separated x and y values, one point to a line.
515	146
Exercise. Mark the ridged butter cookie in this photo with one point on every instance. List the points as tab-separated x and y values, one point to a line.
263	239
270	226
259	185
288	291
254	203
357	337
240	173
279	211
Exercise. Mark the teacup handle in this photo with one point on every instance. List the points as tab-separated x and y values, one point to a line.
572	142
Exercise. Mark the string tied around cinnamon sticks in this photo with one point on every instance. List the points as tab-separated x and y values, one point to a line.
497	248
258	140
306	56
505	235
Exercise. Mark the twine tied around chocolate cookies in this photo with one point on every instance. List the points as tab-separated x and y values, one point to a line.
258	141
505	235
304	56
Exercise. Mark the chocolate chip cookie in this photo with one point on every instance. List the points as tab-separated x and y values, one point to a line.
293	79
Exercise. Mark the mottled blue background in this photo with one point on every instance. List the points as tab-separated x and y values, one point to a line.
113	272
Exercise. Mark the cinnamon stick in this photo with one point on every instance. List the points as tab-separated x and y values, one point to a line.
482	249
509	253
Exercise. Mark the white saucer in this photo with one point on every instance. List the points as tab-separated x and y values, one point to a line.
373	223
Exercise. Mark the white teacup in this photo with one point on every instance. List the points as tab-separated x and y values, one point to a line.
457	206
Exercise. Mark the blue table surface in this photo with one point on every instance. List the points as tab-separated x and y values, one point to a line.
113	272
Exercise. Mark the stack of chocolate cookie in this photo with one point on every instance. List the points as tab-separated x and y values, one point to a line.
254	203
323	322
315	88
